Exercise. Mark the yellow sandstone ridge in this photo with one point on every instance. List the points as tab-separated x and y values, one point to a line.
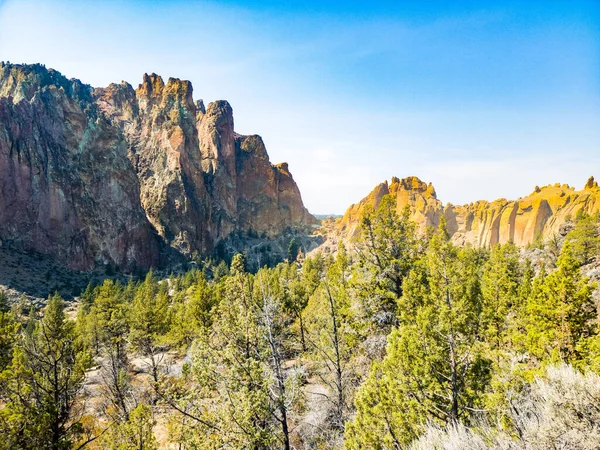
484	223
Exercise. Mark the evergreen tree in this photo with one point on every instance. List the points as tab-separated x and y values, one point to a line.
584	239
387	249
4	307
560	311
8	332
107	326
283	391
192	312
499	286
293	249
332	338
435	367
229	366
42	384
149	322
136	433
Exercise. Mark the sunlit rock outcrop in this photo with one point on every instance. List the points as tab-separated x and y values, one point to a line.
540	214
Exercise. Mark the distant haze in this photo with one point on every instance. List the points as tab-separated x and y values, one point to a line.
483	99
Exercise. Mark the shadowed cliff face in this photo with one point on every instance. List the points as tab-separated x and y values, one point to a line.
111	175
484	223
67	187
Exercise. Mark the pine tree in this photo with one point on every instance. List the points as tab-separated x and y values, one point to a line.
332	338
499	286
293	249
149	322
584	239
387	249
136	433
192	312
4	307
284	391
8	332
435	367
232	406
107	326
43	382
560	311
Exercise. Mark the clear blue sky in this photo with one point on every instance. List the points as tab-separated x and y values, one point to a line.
485	99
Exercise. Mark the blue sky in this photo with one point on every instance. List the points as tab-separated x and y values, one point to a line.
484	99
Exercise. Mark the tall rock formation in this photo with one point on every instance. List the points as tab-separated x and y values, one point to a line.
115	174
67	187
484	223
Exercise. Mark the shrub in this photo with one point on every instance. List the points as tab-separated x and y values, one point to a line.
558	411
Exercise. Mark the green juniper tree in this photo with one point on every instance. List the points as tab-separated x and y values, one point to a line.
42	383
499	286
106	328
8	332
559	312
387	249
192	312
149	322
584	239
435	367
136	433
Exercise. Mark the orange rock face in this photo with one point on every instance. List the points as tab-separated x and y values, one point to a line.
121	175
484	223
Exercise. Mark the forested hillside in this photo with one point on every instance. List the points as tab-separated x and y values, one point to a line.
405	341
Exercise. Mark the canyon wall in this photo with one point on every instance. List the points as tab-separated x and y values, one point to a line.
124	176
483	223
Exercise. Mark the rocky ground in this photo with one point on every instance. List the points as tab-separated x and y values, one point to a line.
34	276
330	236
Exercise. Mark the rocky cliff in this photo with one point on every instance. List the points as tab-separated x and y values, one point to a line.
540	214
122	176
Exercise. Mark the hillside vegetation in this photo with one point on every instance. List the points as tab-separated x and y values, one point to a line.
406	341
